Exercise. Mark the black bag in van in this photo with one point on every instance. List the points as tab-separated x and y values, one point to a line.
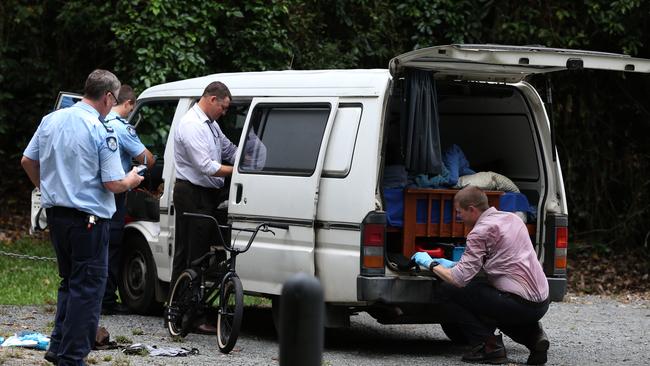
142	205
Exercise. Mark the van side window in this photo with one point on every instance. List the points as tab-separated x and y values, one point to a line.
284	139
340	148
152	121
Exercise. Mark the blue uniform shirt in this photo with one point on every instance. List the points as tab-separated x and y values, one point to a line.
77	153
130	145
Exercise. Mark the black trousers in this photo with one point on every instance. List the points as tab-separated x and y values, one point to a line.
479	309
115	250
194	236
82	256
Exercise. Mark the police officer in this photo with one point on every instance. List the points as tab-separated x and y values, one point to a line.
74	159
130	148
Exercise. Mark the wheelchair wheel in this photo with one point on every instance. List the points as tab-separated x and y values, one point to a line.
182	302
231	311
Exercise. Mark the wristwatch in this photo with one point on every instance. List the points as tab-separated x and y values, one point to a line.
433	264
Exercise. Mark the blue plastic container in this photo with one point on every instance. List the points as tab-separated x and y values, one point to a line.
457	253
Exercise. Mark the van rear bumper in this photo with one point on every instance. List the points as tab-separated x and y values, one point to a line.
421	289
392	290
556	288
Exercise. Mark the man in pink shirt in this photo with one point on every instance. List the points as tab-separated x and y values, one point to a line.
515	296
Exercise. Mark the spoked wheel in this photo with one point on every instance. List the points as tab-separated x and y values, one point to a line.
180	308
231	310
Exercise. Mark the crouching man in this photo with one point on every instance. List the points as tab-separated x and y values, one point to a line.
515	296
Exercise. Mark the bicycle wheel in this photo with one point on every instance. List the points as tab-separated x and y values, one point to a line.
231	310
180	308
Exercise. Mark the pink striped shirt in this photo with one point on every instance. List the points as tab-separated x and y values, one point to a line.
500	244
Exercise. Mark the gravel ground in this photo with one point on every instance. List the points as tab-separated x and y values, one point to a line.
583	331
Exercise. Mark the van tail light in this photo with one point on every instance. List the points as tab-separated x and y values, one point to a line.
373	239
557	242
561	237
561	244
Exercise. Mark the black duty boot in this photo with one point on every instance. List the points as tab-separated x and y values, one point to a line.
491	351
51	357
538	349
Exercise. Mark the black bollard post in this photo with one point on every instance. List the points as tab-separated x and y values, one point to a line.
302	312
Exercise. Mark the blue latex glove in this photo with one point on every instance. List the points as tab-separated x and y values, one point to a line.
422	259
444	262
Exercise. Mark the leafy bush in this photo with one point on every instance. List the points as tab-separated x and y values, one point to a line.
601	123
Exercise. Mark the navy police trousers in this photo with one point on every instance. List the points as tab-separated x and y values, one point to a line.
115	250
82	256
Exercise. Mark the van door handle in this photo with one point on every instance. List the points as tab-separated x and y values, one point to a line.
238	192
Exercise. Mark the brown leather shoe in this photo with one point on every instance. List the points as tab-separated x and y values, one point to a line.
491	351
205	328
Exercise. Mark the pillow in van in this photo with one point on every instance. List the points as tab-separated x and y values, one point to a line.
489	181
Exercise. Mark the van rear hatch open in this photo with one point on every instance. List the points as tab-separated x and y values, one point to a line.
451	65
510	63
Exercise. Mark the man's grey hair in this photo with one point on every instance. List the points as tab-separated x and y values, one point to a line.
99	82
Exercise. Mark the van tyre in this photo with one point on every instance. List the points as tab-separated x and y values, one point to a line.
453	332
231	311
138	276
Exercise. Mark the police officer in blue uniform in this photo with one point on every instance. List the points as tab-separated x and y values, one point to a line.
130	148
74	159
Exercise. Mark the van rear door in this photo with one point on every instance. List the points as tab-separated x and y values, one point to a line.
276	179
510	63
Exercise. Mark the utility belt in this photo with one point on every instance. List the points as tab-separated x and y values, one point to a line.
73	213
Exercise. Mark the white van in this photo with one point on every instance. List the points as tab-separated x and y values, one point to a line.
329	137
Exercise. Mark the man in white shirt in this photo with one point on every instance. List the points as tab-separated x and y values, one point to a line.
200	150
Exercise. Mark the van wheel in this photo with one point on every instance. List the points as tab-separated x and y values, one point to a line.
138	276
453	332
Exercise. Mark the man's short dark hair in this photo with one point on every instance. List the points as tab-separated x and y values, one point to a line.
99	82
472	196
126	93
217	89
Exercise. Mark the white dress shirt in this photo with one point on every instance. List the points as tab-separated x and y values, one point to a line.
199	149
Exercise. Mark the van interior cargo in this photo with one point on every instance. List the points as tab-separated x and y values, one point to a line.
487	139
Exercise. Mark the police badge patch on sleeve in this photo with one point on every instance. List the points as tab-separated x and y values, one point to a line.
131	130
111	142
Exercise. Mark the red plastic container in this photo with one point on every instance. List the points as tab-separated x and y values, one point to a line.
434	253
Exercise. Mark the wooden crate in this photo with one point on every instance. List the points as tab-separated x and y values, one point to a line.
454	228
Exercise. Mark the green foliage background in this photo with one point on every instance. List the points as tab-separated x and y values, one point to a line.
602	118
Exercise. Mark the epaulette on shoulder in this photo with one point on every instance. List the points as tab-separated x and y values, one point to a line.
108	128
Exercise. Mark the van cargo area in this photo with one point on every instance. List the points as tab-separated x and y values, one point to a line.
491	127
